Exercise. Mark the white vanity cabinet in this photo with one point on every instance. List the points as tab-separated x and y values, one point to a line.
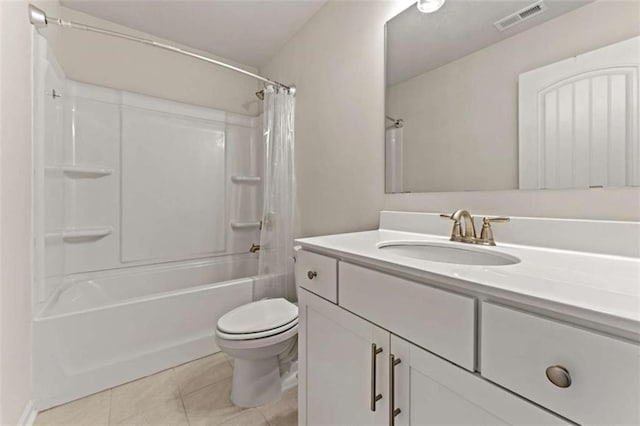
386	350
353	372
553	338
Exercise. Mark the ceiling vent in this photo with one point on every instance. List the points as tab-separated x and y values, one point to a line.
520	16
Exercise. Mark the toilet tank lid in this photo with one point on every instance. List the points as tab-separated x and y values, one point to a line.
258	316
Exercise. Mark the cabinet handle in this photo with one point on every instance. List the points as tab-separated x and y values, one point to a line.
375	397
393	412
559	376
311	274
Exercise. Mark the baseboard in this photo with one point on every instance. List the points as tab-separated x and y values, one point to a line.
29	414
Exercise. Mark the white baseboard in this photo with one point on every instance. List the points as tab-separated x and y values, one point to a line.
29	414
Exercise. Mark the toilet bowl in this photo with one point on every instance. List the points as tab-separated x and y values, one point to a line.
260	336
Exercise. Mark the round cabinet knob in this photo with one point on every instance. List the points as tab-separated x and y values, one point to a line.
559	376
311	274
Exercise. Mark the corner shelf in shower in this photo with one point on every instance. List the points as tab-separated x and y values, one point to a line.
246	179
236	226
80	234
81	172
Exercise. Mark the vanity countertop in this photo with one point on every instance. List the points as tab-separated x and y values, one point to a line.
589	288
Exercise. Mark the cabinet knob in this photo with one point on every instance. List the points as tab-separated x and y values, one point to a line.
311	274
559	376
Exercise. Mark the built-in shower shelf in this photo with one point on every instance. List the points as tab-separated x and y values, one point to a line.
246	179
82	172
80	234
245	225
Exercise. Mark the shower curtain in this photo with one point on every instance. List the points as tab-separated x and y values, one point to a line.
276	238
394	156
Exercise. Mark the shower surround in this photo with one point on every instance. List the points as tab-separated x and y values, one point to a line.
145	211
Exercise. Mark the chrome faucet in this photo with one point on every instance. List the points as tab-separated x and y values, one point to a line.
469	235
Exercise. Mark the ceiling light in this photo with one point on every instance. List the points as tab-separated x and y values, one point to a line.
429	6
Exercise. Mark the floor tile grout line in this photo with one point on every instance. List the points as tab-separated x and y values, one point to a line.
264	416
184	407
244	411
204	386
110	404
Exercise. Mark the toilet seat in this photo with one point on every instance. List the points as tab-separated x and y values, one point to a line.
257	335
257	320
257	343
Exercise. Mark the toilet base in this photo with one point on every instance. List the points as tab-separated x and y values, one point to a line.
256	382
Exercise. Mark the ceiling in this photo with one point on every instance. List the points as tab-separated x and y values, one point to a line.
419	42
246	31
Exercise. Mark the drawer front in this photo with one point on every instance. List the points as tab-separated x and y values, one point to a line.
517	349
439	321
318	274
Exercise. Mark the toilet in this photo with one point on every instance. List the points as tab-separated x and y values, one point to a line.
261	337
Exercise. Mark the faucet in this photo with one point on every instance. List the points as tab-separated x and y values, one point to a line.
469	236
458	216
254	248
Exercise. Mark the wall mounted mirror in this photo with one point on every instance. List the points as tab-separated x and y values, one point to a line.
503	95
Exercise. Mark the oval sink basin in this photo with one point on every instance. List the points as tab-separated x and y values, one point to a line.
448	253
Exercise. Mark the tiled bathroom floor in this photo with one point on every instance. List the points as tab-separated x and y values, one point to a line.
196	394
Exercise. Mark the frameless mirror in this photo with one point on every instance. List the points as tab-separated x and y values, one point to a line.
519	94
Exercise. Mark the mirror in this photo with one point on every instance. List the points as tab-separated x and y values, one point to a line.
499	95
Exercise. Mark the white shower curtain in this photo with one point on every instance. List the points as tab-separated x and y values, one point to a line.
394	171
276	239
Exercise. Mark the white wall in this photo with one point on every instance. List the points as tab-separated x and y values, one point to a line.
337	61
460	134
15	203
15	209
121	64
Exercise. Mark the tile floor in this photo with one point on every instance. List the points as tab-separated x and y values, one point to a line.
196	394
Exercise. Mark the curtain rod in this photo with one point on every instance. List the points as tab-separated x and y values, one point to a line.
397	122
39	19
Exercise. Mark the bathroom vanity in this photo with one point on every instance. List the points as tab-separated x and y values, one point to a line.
549	336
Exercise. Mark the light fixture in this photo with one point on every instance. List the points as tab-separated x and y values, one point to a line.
429	6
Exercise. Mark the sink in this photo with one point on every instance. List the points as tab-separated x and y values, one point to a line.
448	253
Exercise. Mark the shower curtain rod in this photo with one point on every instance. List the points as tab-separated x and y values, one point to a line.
397	122
39	19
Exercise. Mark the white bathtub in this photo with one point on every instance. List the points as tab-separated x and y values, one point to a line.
99	331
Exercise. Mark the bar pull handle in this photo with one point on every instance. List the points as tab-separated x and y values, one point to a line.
393	412
375	397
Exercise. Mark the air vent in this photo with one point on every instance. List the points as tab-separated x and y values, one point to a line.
520	16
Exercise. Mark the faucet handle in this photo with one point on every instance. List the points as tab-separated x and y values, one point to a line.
499	219
456	232
486	235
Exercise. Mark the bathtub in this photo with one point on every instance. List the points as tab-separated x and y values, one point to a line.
101	330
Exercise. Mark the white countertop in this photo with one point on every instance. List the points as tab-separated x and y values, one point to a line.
593	288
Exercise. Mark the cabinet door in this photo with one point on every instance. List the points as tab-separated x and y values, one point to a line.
431	391
336	363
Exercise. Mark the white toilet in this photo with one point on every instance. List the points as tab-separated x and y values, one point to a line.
262	339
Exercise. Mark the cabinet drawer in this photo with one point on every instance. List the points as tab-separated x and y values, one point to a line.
439	321
318	274
604	372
